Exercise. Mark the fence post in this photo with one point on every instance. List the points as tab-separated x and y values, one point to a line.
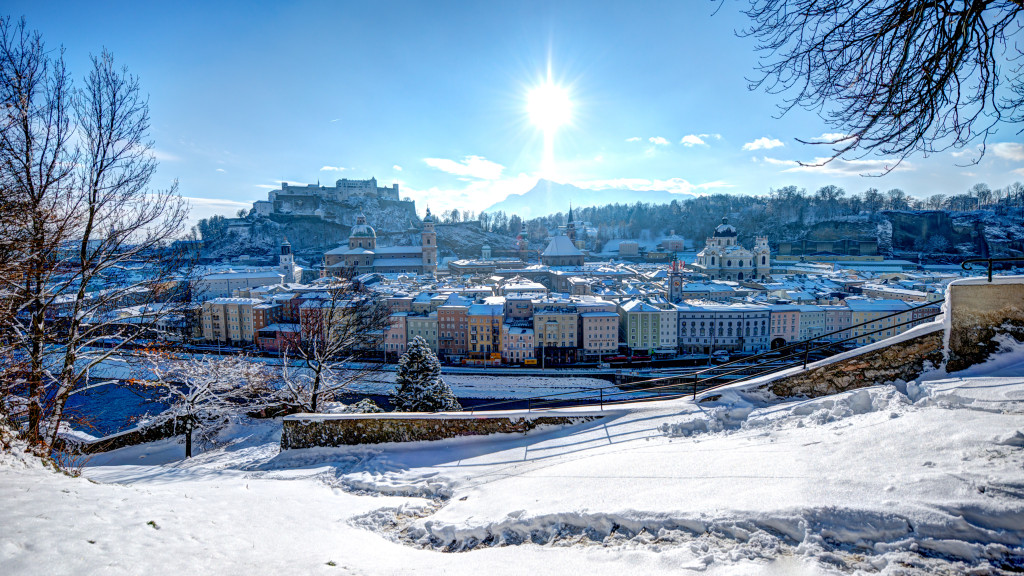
694	385
601	390
807	351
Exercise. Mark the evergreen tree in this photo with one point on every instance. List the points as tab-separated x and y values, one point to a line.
418	384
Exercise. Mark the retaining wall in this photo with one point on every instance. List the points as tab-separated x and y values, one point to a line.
905	360
980	312
314	430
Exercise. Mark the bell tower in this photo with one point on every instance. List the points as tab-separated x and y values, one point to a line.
428	240
286	261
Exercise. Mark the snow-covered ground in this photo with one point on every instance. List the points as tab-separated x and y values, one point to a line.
921	477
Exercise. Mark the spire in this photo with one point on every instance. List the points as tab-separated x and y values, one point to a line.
569	218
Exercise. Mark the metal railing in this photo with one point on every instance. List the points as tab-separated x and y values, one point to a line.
966	264
678	386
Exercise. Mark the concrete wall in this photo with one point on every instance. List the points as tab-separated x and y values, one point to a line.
980	312
901	361
313	430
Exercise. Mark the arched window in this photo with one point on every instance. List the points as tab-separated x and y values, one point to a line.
728	263
712	260
740	277
740	264
764	259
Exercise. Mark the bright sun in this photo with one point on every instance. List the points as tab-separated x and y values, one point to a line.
549	106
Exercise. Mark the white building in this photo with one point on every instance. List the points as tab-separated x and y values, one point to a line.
705	327
724	259
224	284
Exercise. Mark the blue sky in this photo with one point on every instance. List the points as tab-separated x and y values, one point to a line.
433	96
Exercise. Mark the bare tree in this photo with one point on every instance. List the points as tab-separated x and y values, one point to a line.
341	330
935	201
894	77
87	234
204	394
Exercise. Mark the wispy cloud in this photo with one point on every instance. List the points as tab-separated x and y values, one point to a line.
267	186
1018	172
471	166
634	139
691	140
1008	151
673	185
396	168
658	141
763	143
332	168
710	136
200	208
221	170
841	167
831	137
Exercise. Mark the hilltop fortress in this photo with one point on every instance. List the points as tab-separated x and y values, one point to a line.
325	201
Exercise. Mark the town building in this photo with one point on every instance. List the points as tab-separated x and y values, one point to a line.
707	327
874	312
229	320
424	326
517	344
640	326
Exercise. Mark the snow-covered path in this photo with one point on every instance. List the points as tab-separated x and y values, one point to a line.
919	477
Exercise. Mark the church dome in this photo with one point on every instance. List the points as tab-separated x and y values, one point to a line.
725	229
429	217
362	229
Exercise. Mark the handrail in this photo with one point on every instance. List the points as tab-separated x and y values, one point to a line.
966	264
600	393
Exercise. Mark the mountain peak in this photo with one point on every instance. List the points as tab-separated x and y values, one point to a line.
549	197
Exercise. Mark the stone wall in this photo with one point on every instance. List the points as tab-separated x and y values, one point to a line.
980	312
122	439
313	430
900	361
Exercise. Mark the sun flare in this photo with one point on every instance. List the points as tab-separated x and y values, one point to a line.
549	106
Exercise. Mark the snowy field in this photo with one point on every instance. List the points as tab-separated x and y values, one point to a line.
921	477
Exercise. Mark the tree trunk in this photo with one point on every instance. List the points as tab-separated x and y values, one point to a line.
188	439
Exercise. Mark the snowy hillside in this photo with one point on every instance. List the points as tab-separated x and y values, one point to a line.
920	477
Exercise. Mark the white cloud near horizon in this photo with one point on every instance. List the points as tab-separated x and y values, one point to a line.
830	137
396	168
200	208
332	168
1008	151
694	140
658	141
672	185
471	166
763	143
633	139
221	170
841	167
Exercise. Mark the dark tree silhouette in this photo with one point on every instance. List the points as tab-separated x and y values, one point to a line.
894	77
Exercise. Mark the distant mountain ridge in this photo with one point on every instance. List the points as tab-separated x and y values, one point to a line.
551	197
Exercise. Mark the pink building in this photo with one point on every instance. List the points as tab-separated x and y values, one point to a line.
395	342
785	324
838	318
517	345
599	333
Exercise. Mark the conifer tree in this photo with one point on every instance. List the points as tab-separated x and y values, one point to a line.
418	384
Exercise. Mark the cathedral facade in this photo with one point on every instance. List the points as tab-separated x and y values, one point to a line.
362	255
724	259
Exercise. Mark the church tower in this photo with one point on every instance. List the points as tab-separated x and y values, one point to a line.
286	261
570	226
428	240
